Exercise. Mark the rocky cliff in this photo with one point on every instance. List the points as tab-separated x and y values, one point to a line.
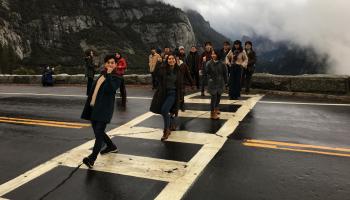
38	32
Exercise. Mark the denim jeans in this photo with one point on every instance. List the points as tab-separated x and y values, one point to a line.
101	137
215	101
167	105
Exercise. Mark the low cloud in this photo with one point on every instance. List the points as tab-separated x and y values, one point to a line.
319	24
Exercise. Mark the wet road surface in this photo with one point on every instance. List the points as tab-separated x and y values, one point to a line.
280	150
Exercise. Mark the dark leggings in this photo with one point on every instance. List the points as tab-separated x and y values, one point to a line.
123	91
101	137
89	85
215	101
235	81
166	107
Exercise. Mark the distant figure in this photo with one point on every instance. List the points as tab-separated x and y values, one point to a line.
193	60
224	51
217	79
237	60
249	71
166	100
153	59
206	57
121	68
166	53
90	70
182	53
187	79
47	76
99	108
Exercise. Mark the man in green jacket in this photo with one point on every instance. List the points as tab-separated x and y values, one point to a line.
99	108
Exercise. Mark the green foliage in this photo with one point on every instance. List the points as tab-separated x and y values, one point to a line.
23	71
8	59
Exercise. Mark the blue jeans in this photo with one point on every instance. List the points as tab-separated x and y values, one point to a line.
215	101
101	137
166	107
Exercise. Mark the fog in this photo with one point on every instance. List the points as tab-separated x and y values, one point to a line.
320	24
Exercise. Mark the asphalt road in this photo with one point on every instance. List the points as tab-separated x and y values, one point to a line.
285	148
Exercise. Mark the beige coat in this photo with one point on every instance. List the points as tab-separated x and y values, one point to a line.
153	59
242	59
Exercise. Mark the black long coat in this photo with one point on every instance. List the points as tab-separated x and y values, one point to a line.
160	94
104	104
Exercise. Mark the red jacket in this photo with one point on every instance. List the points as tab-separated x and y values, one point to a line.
121	66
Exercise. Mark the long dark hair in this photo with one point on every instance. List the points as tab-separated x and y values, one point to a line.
240	48
167	66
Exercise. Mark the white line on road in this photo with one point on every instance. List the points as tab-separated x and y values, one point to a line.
303	103
65	95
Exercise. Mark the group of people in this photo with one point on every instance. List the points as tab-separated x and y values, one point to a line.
217	69
171	72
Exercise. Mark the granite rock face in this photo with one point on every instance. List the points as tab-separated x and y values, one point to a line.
58	32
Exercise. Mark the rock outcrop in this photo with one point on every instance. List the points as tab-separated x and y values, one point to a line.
58	32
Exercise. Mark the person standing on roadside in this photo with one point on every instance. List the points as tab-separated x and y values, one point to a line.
193	60
224	51
205	57
166	100
153	59
90	70
249	71
237	60
121	68
99	108
166	53
217	79
187	79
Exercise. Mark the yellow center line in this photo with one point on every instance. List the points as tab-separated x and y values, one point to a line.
298	145
271	146
45	121
40	124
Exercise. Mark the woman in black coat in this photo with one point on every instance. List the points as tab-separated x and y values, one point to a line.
99	108
217	79
166	100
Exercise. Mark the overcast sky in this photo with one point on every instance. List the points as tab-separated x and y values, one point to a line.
321	24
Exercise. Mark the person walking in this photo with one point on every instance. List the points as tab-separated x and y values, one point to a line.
153	59
99	108
193	61
121	68
237	60
217	79
249	71
90	70
205	57
167	98
182	53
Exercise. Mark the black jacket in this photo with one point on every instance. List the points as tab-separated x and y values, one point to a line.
104	104
161	92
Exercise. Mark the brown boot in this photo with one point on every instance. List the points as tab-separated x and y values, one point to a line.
217	111
214	116
166	134
173	127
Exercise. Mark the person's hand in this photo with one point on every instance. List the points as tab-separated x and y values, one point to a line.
204	59
201	72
